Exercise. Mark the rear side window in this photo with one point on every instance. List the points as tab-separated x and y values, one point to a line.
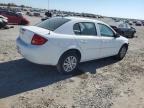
85	28
76	29
53	23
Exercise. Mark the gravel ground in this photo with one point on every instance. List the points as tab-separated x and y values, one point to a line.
104	83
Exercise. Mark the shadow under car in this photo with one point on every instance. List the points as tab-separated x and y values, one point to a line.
19	76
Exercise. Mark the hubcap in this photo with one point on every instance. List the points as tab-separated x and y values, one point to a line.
70	64
123	52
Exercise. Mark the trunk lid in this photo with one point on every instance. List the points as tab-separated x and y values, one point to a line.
27	33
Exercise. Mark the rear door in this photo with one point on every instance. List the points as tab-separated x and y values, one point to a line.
90	43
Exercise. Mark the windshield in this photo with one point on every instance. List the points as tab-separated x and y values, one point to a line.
124	26
52	23
121	26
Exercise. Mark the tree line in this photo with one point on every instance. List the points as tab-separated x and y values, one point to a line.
14	5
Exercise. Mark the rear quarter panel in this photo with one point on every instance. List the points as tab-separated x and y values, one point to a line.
64	43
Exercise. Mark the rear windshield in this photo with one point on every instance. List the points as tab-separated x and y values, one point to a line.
52	23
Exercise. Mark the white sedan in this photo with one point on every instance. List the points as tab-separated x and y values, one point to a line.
66	41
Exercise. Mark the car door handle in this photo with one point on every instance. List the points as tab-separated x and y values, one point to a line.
83	41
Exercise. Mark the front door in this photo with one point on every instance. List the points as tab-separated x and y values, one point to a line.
110	45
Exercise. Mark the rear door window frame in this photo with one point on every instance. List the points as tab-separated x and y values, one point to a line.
80	29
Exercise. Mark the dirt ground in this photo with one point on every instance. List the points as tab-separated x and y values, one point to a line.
104	83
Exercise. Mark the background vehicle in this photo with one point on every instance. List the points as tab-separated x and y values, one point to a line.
44	18
3	21
125	30
37	14
29	13
48	15
143	23
130	23
3	17
138	23
66	41
134	21
117	20
14	18
20	13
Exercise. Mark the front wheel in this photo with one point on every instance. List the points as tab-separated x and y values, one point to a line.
133	35
68	63
122	52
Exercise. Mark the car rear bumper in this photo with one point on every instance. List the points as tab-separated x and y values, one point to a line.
35	54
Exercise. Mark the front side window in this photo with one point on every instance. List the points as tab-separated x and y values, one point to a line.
52	23
85	28
105	31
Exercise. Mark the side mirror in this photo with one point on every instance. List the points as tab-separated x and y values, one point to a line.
116	35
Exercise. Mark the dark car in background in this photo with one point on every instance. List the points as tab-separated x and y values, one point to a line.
14	18
143	23
125	30
138	23
37	14
48	15
130	23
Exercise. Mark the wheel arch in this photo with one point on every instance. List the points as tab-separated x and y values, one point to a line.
125	44
74	50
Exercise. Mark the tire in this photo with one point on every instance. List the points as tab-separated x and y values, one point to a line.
2	24
133	35
64	65
122	52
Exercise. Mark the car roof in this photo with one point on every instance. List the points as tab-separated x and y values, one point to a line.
84	19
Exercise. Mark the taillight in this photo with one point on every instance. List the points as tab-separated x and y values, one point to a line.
38	40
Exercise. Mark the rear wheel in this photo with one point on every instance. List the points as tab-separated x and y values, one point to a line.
68	63
122	52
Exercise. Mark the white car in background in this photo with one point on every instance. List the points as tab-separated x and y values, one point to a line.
3	17
66	41
20	13
3	21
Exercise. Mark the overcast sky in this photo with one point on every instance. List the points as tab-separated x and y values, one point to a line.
114	8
